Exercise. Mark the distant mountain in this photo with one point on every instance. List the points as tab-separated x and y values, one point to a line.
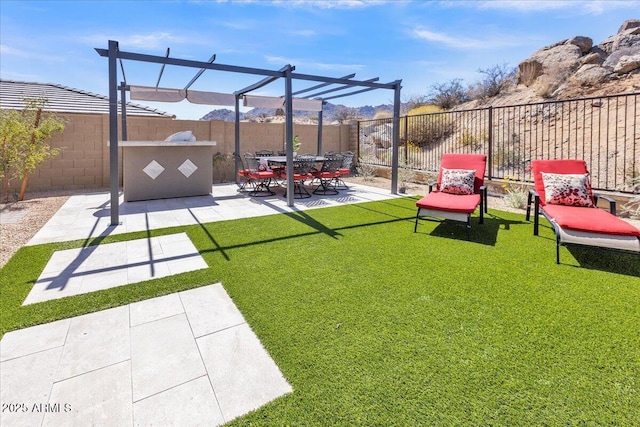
330	112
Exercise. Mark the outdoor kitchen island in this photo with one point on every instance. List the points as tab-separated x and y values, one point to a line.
166	169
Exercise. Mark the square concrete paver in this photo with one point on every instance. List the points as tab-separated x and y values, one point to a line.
187	358
163	355
93	268
238	365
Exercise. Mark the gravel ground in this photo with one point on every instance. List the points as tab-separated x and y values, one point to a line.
39	207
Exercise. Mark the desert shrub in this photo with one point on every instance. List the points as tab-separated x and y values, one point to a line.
345	114
406	174
424	129
466	138
509	154
497	80
449	94
366	167
411	154
516	194
382	115
632	183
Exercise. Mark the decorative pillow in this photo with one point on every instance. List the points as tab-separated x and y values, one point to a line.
185	135
566	189
457	181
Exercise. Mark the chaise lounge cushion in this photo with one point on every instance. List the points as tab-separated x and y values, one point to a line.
592	220
438	200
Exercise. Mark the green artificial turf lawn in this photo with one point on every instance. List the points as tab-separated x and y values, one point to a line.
373	324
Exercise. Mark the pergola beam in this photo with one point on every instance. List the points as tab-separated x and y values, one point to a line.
335	89
199	73
263	82
321	85
189	63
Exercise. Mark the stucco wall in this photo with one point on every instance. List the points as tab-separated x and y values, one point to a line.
84	159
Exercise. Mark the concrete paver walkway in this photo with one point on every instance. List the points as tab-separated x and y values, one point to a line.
187	358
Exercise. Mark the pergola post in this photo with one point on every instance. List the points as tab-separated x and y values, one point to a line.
320	132
396	137
288	134
113	132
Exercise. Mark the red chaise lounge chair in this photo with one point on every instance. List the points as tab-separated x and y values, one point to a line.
459	190
562	193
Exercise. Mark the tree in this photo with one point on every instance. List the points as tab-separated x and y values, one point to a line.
497	80
23	143
448	95
345	113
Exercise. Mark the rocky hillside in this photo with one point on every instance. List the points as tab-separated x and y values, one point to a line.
576	68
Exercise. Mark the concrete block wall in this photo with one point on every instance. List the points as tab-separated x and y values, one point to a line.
83	162
80	163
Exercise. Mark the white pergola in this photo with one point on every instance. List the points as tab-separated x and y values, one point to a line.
312	102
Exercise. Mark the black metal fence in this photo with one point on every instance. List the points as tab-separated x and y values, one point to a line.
604	131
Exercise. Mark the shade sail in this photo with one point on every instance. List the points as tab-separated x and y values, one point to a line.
263	101
145	93
299	104
211	98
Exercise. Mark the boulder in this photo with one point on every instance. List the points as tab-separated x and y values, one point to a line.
584	43
627	64
528	71
559	58
591	75
592	58
629	23
613	59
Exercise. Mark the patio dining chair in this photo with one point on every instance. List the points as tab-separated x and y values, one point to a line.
302	167
244	175
327	174
562	194
458	192
344	170
261	176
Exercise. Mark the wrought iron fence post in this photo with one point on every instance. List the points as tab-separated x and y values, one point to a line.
490	142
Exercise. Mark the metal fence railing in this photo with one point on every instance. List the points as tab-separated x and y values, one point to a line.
604	131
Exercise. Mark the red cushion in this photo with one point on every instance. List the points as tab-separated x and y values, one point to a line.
475	162
593	220
298	176
263	175
571	166
344	171
326	174
440	201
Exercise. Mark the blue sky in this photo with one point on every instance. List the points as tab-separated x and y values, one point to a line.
420	42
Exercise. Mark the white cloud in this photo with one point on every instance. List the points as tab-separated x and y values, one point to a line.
460	42
8	50
585	6
330	4
150	41
279	60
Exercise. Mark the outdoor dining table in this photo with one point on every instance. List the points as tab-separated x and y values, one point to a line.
279	163
282	160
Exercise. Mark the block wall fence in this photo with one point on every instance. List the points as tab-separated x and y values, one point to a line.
83	162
